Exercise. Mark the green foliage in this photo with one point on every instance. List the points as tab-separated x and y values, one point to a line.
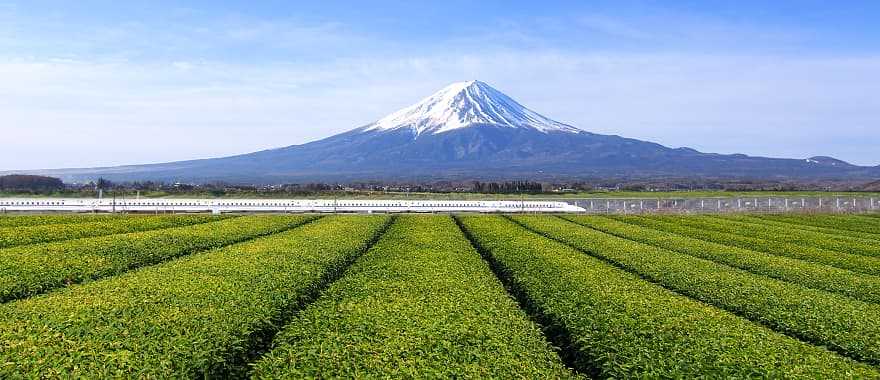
420	304
625	327
14	236
841	323
830	242
34	269
199	316
842	225
23	182
857	285
768	296
679	225
37	220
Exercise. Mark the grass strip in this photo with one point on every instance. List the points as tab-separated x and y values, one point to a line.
34	269
200	316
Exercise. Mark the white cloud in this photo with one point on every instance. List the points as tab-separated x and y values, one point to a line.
65	113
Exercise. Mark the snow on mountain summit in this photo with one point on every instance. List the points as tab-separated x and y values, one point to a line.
466	104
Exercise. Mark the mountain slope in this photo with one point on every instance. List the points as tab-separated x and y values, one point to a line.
469	130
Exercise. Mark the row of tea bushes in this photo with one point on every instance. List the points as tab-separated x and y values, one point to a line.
37	220
34	269
15	236
843	324
855	263
420	304
857	285
622	326
204	315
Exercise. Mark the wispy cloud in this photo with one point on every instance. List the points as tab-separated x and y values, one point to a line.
754	104
228	37
232	83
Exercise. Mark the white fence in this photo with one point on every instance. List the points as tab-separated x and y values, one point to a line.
728	205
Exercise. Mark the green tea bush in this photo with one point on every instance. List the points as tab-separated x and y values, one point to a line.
36	220
622	326
843	324
857	285
855	263
14	236
203	315
830	242
842	225
420	304
34	269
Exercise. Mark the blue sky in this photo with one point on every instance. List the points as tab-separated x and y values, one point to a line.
92	83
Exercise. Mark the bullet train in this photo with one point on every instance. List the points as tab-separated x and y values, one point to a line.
218	206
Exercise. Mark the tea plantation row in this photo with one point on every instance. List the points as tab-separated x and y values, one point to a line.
438	296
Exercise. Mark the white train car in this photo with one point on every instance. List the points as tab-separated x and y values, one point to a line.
277	205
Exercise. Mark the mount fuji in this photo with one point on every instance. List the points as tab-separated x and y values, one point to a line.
469	130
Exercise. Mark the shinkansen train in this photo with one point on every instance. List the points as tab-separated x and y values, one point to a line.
218	206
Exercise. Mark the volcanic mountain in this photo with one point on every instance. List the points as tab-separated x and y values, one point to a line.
469	130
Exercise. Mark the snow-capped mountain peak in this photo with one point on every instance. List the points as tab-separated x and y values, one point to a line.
465	104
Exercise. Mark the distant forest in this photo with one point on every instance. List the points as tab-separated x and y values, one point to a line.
36	183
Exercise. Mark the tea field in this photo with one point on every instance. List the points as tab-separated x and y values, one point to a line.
440	296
